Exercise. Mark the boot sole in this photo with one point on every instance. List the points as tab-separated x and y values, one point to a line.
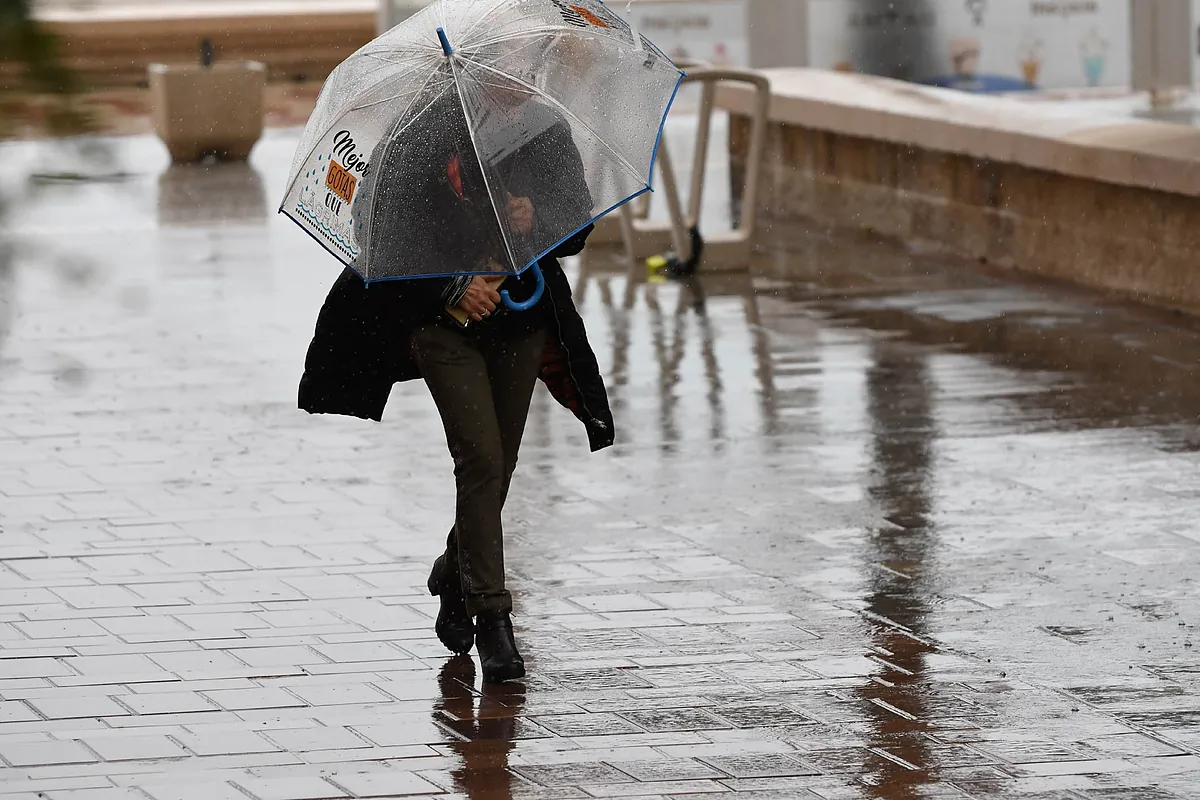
502	675
460	645
458	651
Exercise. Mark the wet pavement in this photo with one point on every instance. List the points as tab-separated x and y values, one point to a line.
887	528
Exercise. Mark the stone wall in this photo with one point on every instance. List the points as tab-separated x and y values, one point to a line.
1139	241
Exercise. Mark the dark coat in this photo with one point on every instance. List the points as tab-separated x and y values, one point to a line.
361	345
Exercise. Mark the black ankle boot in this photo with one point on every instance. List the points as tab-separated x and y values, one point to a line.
453	626
497	650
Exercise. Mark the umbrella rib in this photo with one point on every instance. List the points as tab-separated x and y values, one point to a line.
610	33
412	100
400	60
512	259
539	93
527	33
482	17
396	131
337	118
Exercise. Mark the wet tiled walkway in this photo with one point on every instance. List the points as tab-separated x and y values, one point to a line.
890	529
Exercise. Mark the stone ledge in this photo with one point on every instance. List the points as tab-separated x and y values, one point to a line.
1114	206
1142	153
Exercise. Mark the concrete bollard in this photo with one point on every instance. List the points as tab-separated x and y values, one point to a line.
202	111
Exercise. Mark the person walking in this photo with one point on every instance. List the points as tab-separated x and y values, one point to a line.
479	360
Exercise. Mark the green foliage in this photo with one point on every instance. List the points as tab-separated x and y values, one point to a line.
32	74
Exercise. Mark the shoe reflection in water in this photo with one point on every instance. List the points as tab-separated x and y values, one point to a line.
488	724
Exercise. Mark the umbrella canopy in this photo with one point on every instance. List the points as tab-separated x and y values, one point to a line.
477	135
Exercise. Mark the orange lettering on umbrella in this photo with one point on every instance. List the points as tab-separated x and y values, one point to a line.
590	17
340	181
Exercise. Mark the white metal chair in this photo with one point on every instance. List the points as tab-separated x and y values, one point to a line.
726	250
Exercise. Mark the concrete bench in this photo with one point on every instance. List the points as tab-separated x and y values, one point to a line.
1109	203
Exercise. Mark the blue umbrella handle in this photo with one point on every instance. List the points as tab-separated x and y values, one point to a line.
538	291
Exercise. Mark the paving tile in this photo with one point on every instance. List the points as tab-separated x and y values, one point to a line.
142	626
1126	745
666	788
61	629
258	698
134	748
77	707
227	743
121	668
614	602
587	724
94	596
318	738
30	595
688	599
298	788
309	618
404	733
276	656
166	703
195	719
759	714
195	665
574	774
36	754
14	711
222	621
392	783
341	694
761	765
373	755
675	719
557	751
199	790
114	793
1075	767
666	770
360	651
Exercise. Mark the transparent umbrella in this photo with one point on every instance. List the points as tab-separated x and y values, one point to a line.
477	135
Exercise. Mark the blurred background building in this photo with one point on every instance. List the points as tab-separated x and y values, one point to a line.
978	45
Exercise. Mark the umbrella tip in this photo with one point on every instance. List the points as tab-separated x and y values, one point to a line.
446	48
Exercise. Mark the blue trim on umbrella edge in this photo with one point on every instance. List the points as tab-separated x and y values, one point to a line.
505	273
520	271
662	126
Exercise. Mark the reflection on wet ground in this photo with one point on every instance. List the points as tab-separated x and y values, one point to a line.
877	526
